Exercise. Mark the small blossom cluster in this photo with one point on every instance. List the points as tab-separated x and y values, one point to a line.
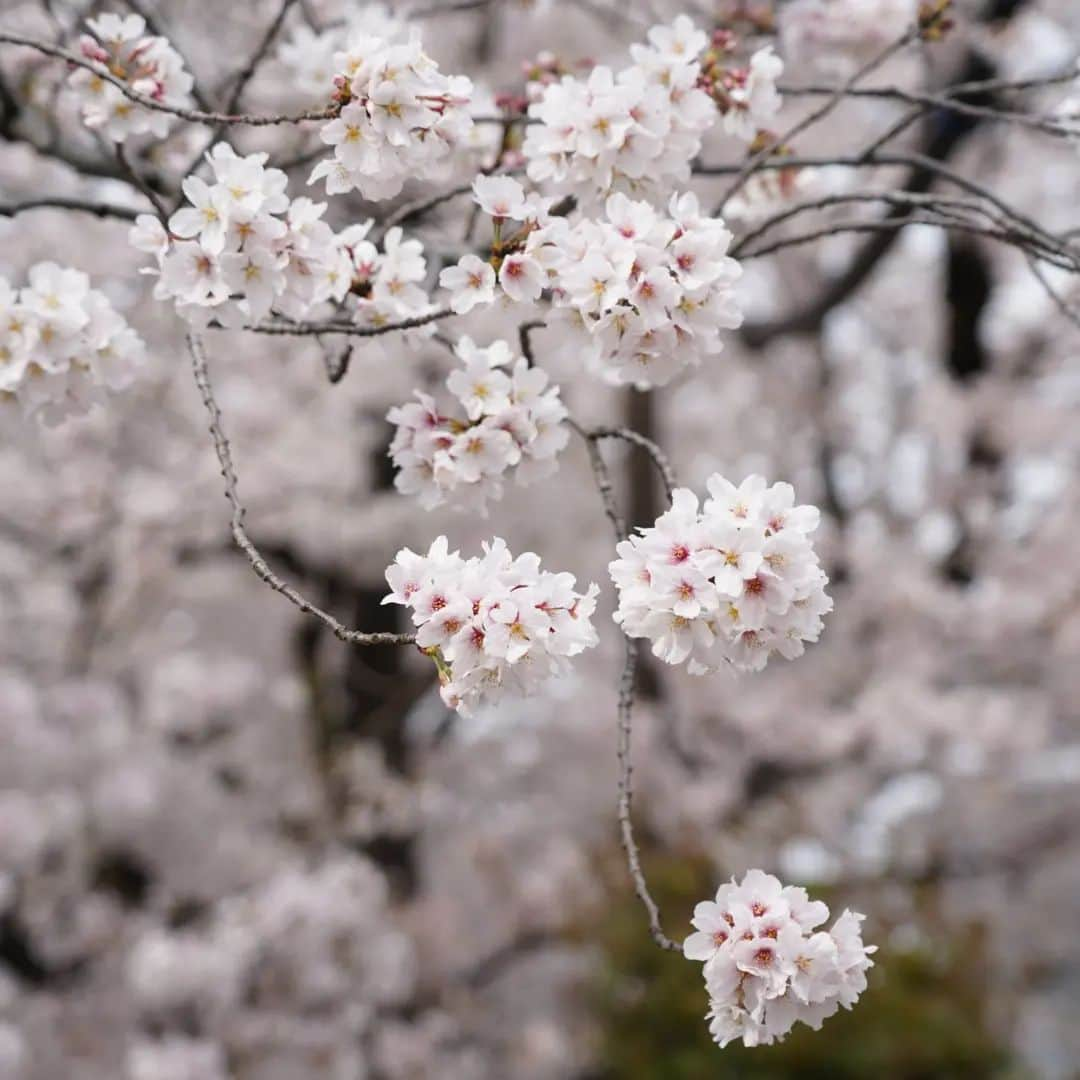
385	286
148	64
730	583
492	623
647	293
62	343
634	131
509	423
767	966
400	118
747	97
241	247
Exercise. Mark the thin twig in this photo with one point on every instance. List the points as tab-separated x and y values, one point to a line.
195	116
243	541
306	329
98	209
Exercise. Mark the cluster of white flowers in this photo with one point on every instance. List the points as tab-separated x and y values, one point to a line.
767	967
62	344
642	294
491	623
512	423
149	64
400	117
635	131
835	35
242	247
386	285
748	96
732	582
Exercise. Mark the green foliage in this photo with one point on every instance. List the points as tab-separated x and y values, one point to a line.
923	1017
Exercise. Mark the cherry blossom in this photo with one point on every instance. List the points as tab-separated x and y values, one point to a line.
493	623
767	966
513	426
729	583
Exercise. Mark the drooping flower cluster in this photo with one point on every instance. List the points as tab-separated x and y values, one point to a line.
241	247
767	966
509	423
149	64
647	293
493	623
731	582
62	343
400	117
634	131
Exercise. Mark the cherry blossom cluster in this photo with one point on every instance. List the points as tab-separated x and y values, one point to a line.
746	96
637	130
400	117
147	63
492	623
509	423
385	285
62	344
241	247
767	966
731	582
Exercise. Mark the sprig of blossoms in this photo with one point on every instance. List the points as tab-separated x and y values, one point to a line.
509	424
492	624
149	64
241	247
732	583
62	344
767	966
636	131
400	118
645	294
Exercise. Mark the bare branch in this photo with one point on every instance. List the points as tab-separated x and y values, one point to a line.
195	116
243	541
56	202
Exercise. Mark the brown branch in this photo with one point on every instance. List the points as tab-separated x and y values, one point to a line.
195	116
98	209
243	541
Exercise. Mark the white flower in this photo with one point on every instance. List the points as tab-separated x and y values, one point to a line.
470	282
730	583
501	197
765	968
492	623
522	278
512	425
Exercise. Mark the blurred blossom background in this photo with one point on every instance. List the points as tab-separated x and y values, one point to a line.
232	847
